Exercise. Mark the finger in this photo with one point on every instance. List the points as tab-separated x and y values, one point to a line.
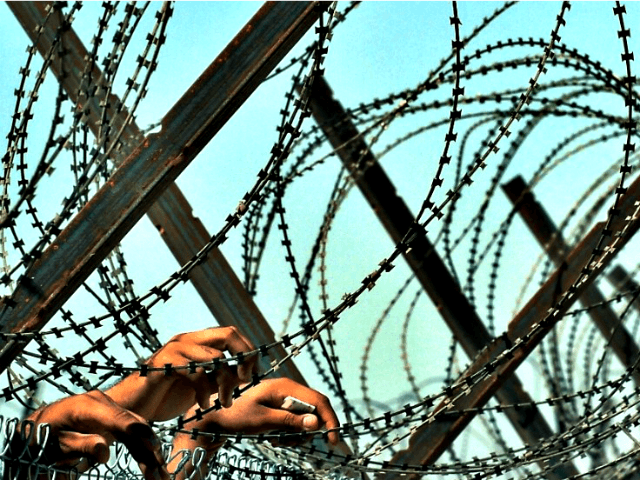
201	380
328	417
226	338
223	380
227	381
236	343
91	446
203	393
278	419
249	365
143	446
284	420
194	352
204	384
324	410
104	415
222	338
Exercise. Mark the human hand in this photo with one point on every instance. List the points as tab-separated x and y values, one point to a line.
81	428
158	396
258	410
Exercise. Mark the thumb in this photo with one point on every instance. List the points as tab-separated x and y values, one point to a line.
310	422
300	423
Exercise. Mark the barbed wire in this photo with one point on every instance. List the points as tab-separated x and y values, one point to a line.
587	393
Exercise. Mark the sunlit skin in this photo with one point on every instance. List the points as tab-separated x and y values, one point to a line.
258	411
83	426
161	397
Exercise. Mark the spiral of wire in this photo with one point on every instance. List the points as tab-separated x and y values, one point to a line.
513	221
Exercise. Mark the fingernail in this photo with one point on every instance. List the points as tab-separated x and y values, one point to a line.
309	422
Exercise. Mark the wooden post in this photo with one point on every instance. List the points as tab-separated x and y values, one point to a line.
151	168
547	234
527	329
425	263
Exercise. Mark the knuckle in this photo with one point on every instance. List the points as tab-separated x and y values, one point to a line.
176	338
205	354
231	330
323	398
290	419
214	352
123	418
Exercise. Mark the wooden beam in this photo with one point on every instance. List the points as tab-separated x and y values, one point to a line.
528	328
424	261
215	280
151	168
547	234
184	234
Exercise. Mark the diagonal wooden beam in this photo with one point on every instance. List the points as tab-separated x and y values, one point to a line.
424	261
184	234
215	280
622	280
528	328
545	231
151	168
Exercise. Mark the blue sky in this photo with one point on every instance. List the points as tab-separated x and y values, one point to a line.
383	47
